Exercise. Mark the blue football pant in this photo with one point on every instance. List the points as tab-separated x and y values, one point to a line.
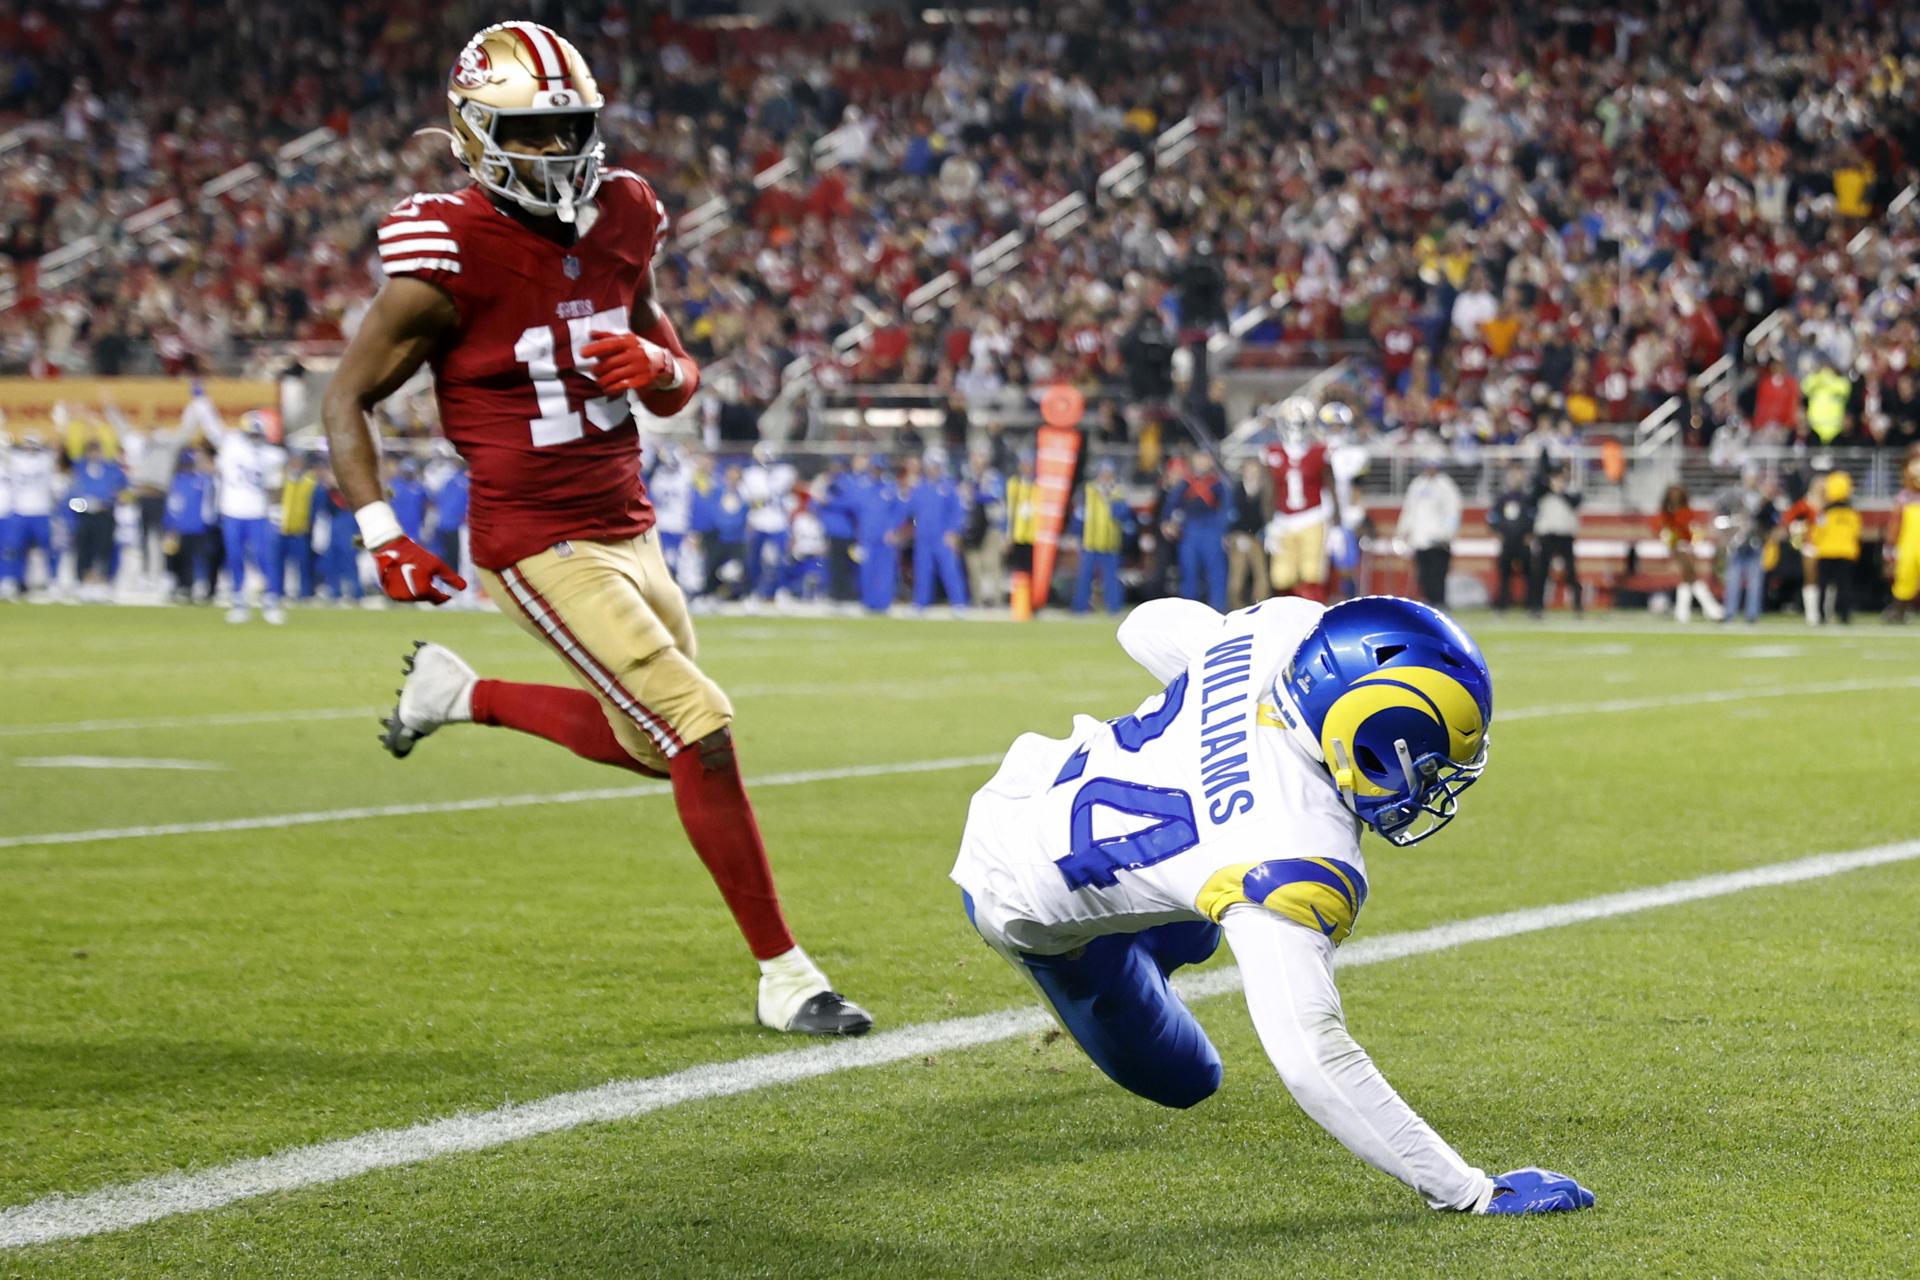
933	557
21	535
1113	998
341	565
1203	553
249	542
766	559
1106	566
879	574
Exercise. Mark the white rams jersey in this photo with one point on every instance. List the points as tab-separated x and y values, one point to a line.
1195	803
671	490
34	473
769	491
6	482
248	469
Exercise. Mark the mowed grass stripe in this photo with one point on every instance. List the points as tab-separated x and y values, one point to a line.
1616	706
66	1217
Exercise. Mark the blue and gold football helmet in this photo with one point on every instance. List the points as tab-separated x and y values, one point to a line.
1396	700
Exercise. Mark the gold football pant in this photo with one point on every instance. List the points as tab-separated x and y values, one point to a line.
616	617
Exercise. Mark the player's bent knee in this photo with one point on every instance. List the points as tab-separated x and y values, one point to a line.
1188	1084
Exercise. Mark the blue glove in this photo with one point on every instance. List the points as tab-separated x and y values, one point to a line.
1533	1190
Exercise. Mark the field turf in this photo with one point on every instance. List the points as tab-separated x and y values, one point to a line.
1737	1077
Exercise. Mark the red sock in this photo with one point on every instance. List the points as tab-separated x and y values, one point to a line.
570	717
719	820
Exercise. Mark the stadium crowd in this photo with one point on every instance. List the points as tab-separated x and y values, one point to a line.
1513	216
1517	225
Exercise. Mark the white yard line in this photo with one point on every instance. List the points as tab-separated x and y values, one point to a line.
115	1208
477	804
481	803
939	688
1701	697
212	720
115	762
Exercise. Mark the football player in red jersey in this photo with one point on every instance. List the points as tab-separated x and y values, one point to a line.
1302	503
530	293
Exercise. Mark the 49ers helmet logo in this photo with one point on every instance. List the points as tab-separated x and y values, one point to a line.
470	72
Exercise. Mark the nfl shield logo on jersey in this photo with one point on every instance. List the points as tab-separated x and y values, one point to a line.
570	265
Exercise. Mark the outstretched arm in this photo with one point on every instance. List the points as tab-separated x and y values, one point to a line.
407	322
1287	970
1164	635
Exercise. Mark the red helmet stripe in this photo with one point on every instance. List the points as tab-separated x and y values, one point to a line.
547	63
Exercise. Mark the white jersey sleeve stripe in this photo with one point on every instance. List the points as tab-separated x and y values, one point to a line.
451	265
418	226
419	244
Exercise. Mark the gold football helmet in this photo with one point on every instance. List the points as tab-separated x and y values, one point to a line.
521	71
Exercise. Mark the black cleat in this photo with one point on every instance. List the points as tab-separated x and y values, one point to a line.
829	1013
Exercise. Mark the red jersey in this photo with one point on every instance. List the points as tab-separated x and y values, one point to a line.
549	457
1299	478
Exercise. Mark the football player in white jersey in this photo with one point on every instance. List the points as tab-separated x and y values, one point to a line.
250	469
767	486
1232	803
33	476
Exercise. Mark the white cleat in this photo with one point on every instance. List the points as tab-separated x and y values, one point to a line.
239	613
274	615
438	690
795	996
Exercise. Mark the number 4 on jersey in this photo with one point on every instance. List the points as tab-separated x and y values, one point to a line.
558	422
1097	862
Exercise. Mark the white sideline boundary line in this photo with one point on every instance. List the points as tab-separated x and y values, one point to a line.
477	804
116	1208
274	821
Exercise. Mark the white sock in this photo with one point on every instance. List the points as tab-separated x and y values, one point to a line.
1682	604
792	965
1708	604
1810	601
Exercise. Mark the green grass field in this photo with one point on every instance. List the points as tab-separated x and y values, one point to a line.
1738	1078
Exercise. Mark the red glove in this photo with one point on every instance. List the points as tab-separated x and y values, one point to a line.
407	572
628	362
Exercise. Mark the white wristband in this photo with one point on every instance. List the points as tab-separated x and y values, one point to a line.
378	525
679	378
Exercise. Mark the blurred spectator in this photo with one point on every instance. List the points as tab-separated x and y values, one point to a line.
192	511
1248	581
985	536
449	493
340	559
248	467
1836	542
767	486
94	489
720	522
1510	519
1102	520
1200	511
1827	394
839	521
1673	524
1021	523
933	505
31	467
1429	522
1750	519
294	546
1556	523
878	519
